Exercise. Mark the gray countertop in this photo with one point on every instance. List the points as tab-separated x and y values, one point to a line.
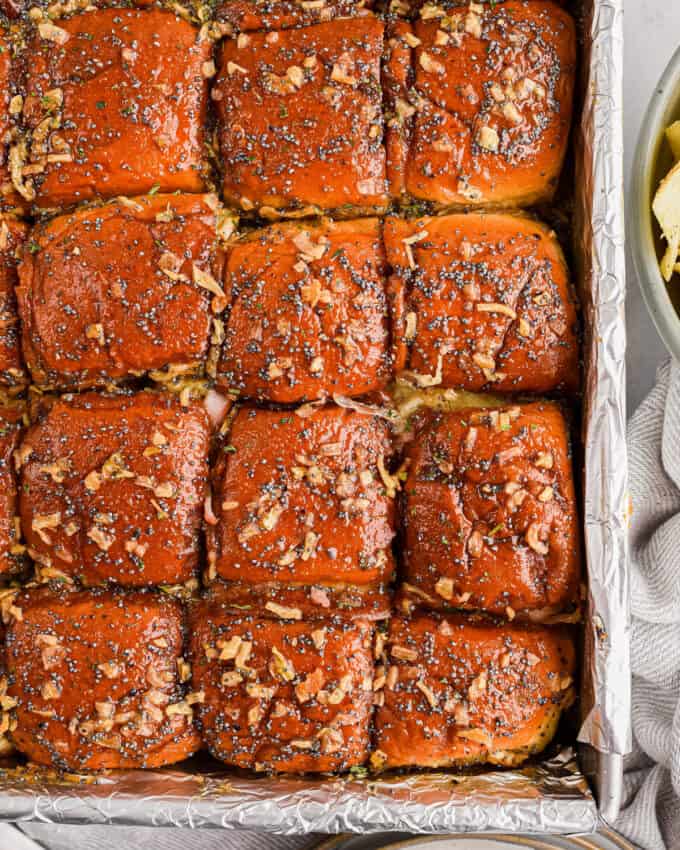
652	33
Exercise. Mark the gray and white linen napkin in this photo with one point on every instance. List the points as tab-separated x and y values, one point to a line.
41	836
651	813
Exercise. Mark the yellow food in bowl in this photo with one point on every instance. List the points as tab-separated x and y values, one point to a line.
666	206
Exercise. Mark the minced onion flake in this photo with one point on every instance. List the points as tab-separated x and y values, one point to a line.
367	409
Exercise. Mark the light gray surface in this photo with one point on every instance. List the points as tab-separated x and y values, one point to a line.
652	33
651	814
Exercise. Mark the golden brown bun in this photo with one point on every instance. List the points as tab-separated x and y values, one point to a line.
12	237
489	515
484	301
458	693
485	118
134	105
304	601
11	427
309	313
247	15
10	199
97	679
292	134
300	499
289	696
95	302
113	488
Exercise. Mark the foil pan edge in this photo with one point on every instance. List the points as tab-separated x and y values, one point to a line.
606	725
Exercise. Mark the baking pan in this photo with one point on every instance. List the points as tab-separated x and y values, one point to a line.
577	787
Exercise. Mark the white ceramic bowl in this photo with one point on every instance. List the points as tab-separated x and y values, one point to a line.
652	161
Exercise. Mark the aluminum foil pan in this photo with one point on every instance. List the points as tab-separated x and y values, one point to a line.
600	254
605	733
551	797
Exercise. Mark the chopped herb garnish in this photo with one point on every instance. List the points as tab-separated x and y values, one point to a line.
358	771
